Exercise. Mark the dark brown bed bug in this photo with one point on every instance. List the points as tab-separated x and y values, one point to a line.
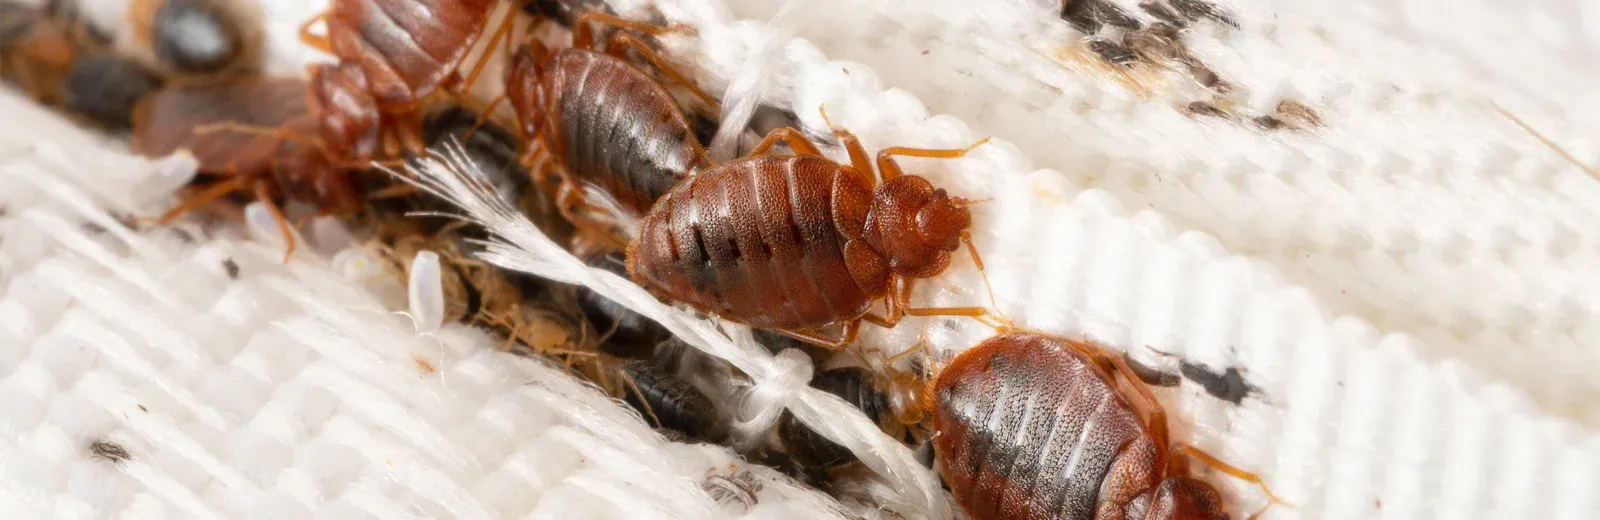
273	166
669	402
623	329
600	120
798	243
195	37
1030	426
492	149
392	55
105	88
856	386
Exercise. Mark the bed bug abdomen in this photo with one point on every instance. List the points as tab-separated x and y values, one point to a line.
406	47
853	384
1031	429
667	401
617	128
756	240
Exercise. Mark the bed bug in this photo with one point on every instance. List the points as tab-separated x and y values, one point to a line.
195	37
105	88
1032	426
798	243
622	328
271	166
491	148
670	402
392	55
889	396
37	47
856	386
601	120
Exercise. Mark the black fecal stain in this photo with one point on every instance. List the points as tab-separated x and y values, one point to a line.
109	451
231	268
1227	385
1113	53
1089	16
1151	375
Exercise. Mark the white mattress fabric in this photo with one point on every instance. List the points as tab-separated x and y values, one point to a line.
1410	290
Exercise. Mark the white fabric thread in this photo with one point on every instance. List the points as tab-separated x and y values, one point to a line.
1398	400
518	245
288	391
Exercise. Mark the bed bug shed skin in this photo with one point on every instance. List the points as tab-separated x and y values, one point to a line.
1033	427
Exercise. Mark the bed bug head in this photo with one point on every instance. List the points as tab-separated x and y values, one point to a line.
917	226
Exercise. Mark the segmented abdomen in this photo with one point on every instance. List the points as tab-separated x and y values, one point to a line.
616	128
670	402
406	47
1028	429
755	241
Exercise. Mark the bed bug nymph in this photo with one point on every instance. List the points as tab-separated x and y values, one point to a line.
597	119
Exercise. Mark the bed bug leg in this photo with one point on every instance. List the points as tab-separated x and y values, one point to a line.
622	42
1175	462
320	42
210	194
477	68
264	194
846	337
852	145
889	169
796	141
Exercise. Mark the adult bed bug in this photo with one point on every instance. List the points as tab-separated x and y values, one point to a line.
797	243
1030	426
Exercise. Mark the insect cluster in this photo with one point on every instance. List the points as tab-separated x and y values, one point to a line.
600	144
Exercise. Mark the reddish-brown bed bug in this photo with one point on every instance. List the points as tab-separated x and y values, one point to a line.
1029	426
272	166
798	243
392	55
597	119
